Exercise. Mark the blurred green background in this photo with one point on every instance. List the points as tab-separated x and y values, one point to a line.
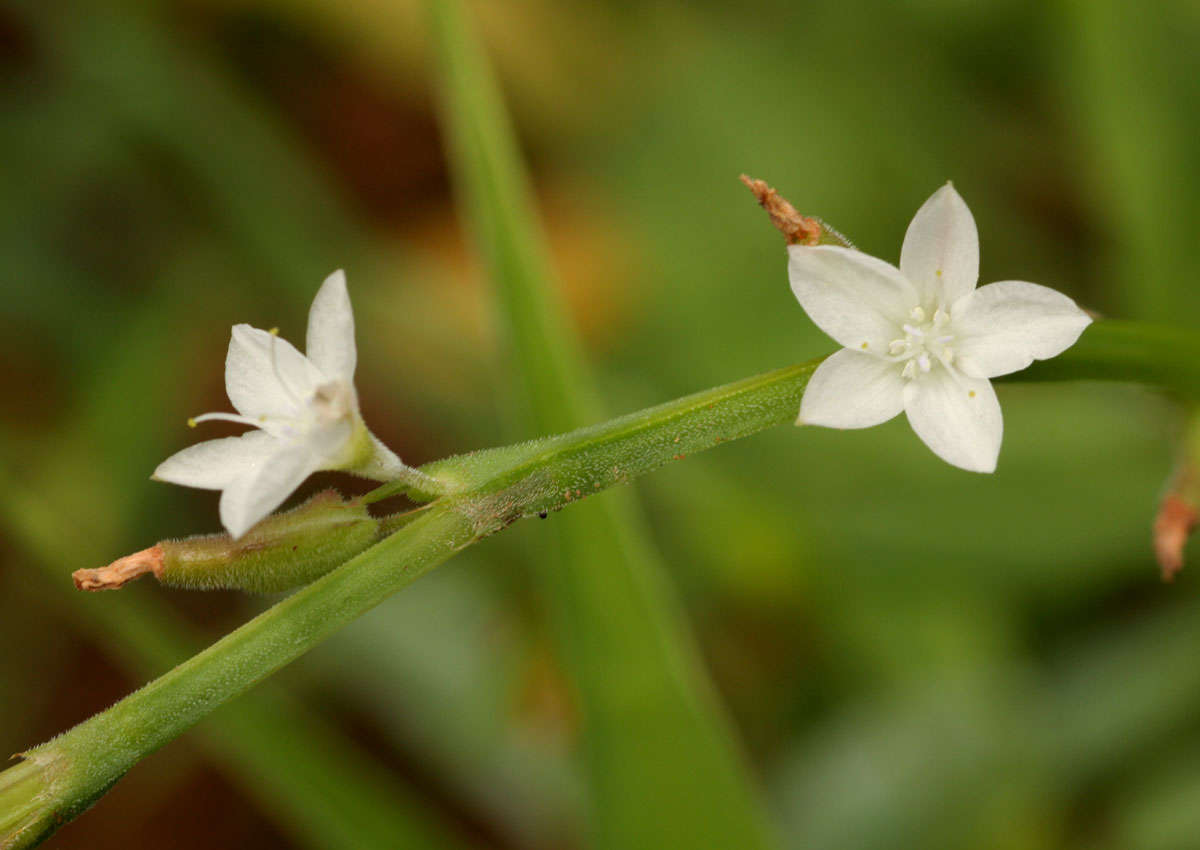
913	656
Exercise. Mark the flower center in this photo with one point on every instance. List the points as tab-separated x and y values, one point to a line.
331	402
926	341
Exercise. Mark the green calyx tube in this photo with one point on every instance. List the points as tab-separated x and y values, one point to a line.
283	551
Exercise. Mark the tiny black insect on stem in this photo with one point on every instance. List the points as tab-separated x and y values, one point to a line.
542	514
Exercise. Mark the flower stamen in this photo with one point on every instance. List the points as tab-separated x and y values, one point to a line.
922	343
226	417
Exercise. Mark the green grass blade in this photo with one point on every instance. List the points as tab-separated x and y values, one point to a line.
664	768
1137	146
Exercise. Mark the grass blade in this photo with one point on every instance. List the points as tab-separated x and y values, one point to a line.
664	768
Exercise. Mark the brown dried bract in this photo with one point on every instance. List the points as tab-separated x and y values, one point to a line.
121	570
1176	520
796	229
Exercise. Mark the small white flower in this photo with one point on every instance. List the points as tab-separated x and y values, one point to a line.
306	408
922	338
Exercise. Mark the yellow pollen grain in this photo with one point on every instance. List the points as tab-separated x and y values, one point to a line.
191	422
275	331
939	272
864	346
971	394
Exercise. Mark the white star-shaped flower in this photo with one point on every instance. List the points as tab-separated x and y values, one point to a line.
305	407
922	338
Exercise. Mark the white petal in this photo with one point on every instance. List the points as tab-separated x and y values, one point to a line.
959	419
266	376
852	390
328	442
214	464
852	297
330	344
263	488
1003	327
940	254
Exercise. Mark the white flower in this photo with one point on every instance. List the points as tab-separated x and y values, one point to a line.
922	338
306	408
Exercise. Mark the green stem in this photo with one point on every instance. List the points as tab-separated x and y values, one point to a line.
326	794
22	808
491	489
77	767
547	474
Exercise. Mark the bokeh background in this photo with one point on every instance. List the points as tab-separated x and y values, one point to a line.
912	656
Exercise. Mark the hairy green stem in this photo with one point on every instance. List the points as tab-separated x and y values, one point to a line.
77	767
547	474
490	490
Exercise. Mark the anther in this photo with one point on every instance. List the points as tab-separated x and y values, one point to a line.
909	371
896	346
918	314
923	362
911	331
940	316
